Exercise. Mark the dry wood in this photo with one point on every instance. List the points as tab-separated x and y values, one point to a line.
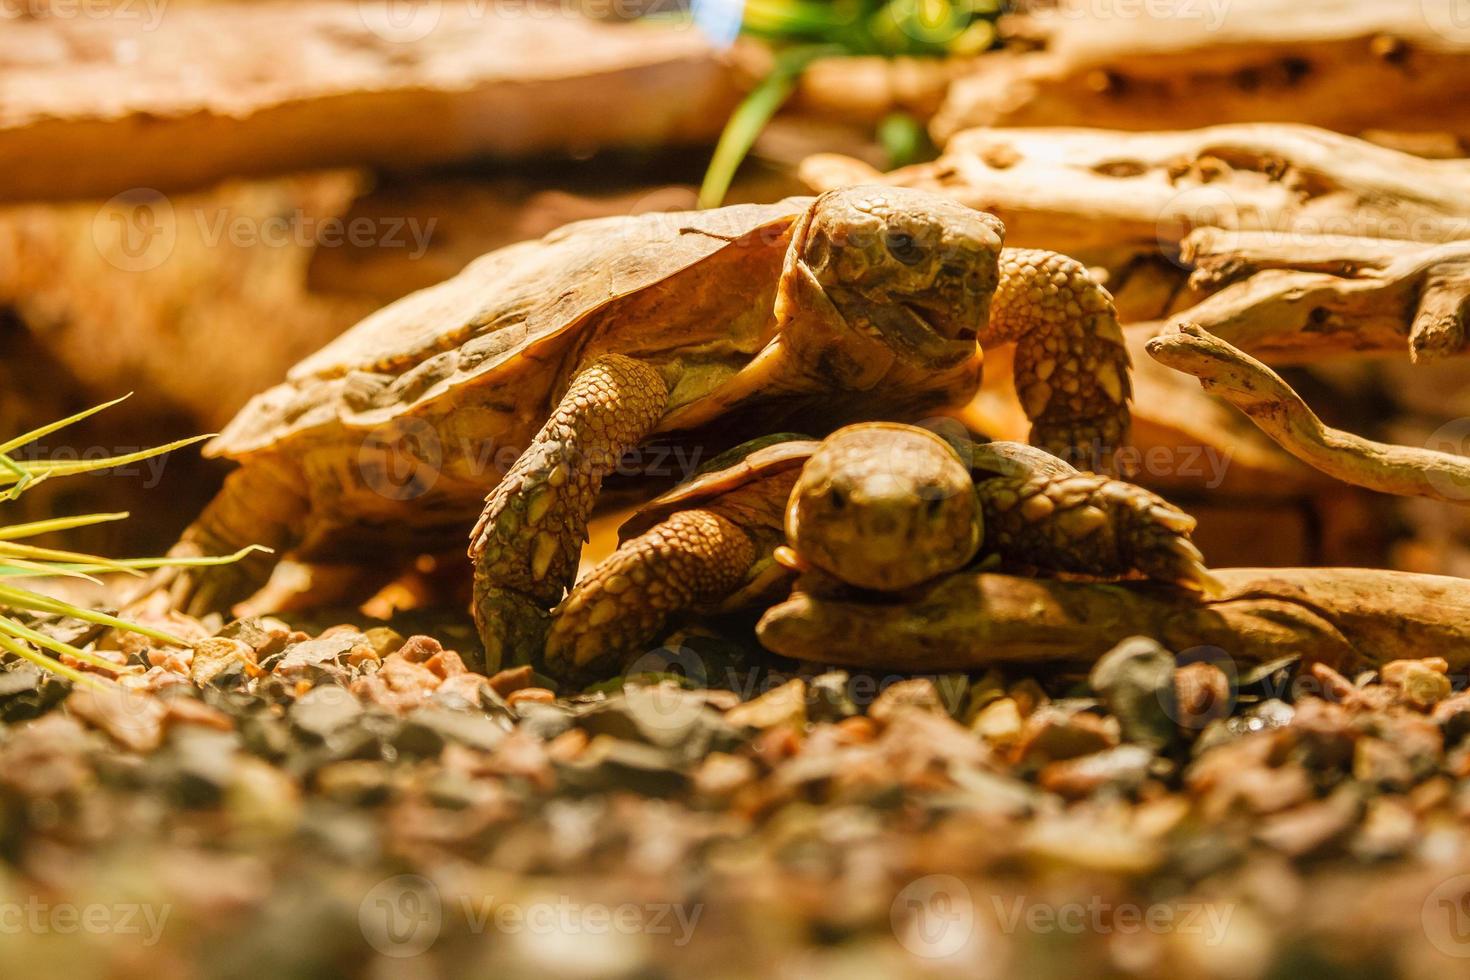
93	106
1343	64
1110	196
1348	617
1280	412
1291	298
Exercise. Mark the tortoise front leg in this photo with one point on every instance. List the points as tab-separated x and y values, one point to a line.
1071	363
694	558
261	503
529	538
1088	524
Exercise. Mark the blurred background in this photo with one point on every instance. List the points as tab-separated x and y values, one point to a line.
197	194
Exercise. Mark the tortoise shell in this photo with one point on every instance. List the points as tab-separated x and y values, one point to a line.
493	316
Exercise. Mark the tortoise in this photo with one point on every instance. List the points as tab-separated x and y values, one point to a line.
877	506
532	372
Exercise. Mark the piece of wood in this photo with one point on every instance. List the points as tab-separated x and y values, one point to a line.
1348	617
1108	197
1398	65
1280	412
177	97
1292	298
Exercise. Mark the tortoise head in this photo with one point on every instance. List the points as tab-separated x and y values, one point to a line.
913	269
884	506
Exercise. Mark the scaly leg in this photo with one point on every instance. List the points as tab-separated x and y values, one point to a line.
1088	524
1071	363
526	545
260	503
693	558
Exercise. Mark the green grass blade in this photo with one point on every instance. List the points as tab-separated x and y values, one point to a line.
17	531
25	599
37	638
750	117
46	663
68	467
46	430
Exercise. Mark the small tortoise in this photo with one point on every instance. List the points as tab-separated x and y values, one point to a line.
532	372
878	506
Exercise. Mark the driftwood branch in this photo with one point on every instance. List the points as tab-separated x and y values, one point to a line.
1352	67
1096	192
240	88
1280	412
1347	617
1293	298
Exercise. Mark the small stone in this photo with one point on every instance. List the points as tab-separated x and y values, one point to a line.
1135	680
1201	695
1423	683
1125	768
1052	733
857	730
1313	826
526	695
357	782
507	682
613	764
219	658
191	711
323	710
329	649
1090	845
721	774
132	718
999	722
785	705
1381	765
915	694
1389	830
827	698
425	725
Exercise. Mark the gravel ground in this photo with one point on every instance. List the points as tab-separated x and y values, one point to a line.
355	802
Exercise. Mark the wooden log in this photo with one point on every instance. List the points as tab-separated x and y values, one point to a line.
1291	298
1397	66
1347	617
177	97
1109	197
1280	412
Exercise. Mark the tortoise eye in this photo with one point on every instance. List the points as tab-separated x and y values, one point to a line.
836	499
902	246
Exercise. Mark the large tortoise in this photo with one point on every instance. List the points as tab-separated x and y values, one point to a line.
547	361
877	506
